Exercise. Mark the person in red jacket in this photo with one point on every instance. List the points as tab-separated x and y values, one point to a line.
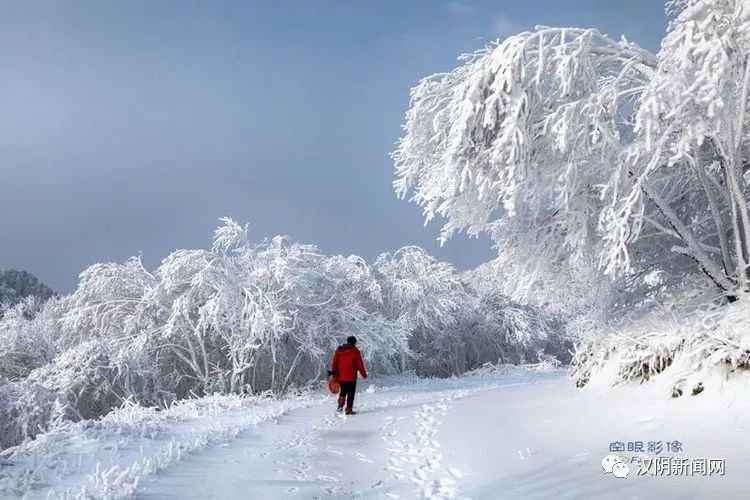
346	362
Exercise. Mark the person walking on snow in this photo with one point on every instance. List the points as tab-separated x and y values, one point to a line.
346	362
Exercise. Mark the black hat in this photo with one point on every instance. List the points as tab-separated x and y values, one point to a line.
351	340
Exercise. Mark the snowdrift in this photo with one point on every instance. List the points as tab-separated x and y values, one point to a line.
711	342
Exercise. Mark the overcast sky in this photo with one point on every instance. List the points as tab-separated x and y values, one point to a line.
131	126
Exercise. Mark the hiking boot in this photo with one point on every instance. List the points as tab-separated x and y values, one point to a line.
340	408
349	411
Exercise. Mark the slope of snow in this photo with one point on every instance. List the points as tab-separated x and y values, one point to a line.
507	435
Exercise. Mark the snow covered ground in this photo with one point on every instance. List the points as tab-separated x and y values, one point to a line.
512	435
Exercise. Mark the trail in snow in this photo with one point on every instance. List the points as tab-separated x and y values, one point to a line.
422	454
390	449
521	435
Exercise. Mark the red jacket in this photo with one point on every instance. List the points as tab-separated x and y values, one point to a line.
346	362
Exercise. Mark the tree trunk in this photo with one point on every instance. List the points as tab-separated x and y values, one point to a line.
693	247
718	222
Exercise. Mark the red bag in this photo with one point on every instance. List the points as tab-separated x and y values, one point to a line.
333	385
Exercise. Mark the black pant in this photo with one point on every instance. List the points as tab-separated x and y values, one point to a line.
347	391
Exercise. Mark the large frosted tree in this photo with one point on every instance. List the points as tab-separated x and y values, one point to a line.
564	144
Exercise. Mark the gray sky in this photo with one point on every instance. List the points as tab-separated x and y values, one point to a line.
131	126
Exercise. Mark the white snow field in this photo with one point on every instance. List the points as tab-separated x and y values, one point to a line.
520	434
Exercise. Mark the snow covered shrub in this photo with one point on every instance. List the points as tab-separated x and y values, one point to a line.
490	329
29	337
97	375
106	302
421	294
418	288
459	321
342	296
26	409
521	334
688	347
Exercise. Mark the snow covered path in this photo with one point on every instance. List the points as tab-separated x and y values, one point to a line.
521	435
389	449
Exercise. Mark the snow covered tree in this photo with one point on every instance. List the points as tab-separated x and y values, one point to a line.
17	285
241	317
691	155
420	293
563	143
417	288
341	296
